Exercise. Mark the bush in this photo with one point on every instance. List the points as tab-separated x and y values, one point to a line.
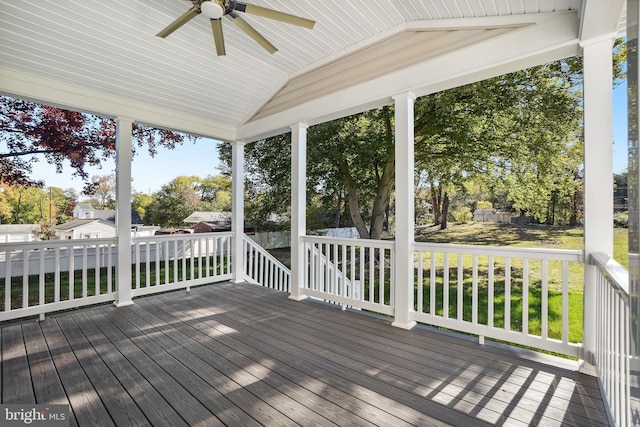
621	220
462	214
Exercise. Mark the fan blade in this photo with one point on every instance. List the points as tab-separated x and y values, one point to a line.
186	17
251	32
274	14
218	36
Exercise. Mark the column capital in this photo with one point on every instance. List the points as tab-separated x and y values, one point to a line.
299	126
125	119
404	95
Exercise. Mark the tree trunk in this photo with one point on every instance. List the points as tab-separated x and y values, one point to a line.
436	194
385	185
445	211
338	209
352	197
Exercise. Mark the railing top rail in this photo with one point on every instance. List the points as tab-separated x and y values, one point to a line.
51	244
191	236
388	244
615	273
536	253
262	250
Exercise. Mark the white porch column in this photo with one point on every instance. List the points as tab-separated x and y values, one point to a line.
237	210
598	176
298	208
404	150
124	128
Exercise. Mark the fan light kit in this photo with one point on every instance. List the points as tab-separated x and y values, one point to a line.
212	10
215	10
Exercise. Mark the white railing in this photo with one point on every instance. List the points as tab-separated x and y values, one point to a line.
490	292
353	272
262	268
612	352
169	262
36	276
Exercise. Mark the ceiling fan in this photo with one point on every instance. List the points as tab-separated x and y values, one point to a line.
215	10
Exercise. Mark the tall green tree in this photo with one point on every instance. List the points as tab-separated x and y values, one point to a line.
183	195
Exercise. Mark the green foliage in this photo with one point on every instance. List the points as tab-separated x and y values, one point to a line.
185	194
484	204
621	219
520	133
462	214
140	202
34	205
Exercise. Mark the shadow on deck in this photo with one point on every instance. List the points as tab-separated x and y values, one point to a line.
245	355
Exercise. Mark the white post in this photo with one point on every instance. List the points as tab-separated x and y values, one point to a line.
404	150
237	210
598	177
124	128
298	208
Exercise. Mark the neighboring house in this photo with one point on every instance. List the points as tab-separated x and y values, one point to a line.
492	215
172	231
212	217
86	211
85	229
18	232
83	210
219	226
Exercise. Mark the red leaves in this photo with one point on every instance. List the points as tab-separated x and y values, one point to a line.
29	131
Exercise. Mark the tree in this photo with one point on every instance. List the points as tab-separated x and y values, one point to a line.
185	194
140	202
350	165
30	132
33	205
103	191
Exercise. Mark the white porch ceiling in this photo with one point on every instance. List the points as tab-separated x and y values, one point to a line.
103	57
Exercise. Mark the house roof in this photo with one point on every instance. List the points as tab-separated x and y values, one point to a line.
18	228
202	216
78	223
85	206
104	57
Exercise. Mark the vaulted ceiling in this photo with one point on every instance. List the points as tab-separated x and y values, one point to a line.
103	56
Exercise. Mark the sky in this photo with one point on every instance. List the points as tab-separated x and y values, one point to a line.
148	173
201	158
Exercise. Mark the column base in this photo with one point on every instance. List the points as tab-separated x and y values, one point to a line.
587	368
405	325
298	297
122	304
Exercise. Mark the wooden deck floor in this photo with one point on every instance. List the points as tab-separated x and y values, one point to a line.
242	355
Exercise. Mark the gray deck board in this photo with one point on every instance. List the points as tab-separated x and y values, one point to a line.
16	384
244	355
411	367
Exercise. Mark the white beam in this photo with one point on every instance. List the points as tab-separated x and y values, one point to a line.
404	151
237	210
598	175
298	208
124	128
